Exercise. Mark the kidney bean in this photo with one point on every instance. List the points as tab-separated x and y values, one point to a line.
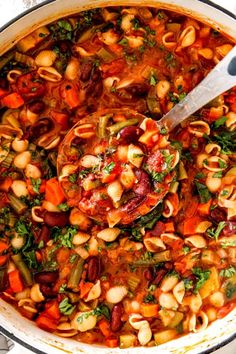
159	276
143	186
46	277
148	274
3	84
230	228
218	214
138	90
133	204
116	315
44	234
130	134
93	269
85	71
158	229
37	106
47	290
56	219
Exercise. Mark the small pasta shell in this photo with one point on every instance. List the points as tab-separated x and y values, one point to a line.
85	131
144	334
32	171
12	75
203	226
231	120
95	292
66	171
23	295
195	303
93	246
113	217
127	177
213	183
36	294
169	238
45	58
34	213
200	159
109	37
126	22
78	218
116	294
212	148
203	322
84	321
196	241
187	37
115	190
215	164
162	88
49	74
135	155
206	53
154	244
168	301
168	39
80	237
135	41
199	128
82	252
179	291
49	206
109	234
168	209
168	283
136	321
19	145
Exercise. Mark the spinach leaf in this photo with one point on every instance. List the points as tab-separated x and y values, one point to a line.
204	193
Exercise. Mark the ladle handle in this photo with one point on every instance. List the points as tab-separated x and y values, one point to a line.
219	80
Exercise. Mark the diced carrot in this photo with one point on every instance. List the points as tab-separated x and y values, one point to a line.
204	208
169	227
223	311
190	225
63	255
39	256
3	246
105	327
53	192
5	185
14	100
107	178
85	287
3	259
15	281
61	118
116	48
53	311
149	310
47	323
111	342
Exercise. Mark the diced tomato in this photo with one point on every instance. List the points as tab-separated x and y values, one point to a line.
30	85
15	281
61	118
70	94
155	161
47	323
13	100
52	310
184	137
113	68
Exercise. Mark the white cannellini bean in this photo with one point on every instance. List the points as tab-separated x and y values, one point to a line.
116	294
168	283
109	234
36	294
115	190
22	159
45	58
72	69
19	145
84	321
179	291
80	238
89	161
32	171
19	188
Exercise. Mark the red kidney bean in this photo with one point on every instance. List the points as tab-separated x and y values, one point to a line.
37	106
93	269
116	314
44	234
56	219
133	204
138	90
148	274
47	290
230	228
158	229
130	134
143	187
218	214
85	71
46	277
159	276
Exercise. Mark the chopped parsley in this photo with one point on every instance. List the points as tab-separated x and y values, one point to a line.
136	24
109	168
230	290
219	122
65	307
73	177
228	272
149	298
204	193
217	174
62	288
63	207
64	236
36	183
186	249
153	80
215	232
202	276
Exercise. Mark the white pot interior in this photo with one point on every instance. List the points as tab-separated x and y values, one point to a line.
10	320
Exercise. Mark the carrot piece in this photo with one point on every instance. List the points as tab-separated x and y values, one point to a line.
111	342
14	100
15	281
61	118
85	287
63	255
169	227
5	185
204	208
190	225
53	310
3	246
104	327
149	310
47	323
3	259
53	192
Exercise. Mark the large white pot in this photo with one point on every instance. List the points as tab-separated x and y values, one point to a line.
24	331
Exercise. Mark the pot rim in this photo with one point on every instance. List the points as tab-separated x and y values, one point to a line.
7	333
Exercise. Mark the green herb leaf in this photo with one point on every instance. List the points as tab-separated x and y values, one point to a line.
65	307
217	174
202	275
62	289
186	249
228	272
109	168
230	290
149	298
219	122
73	177
203	192
215	232
63	207
102	310
64	237
153	80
